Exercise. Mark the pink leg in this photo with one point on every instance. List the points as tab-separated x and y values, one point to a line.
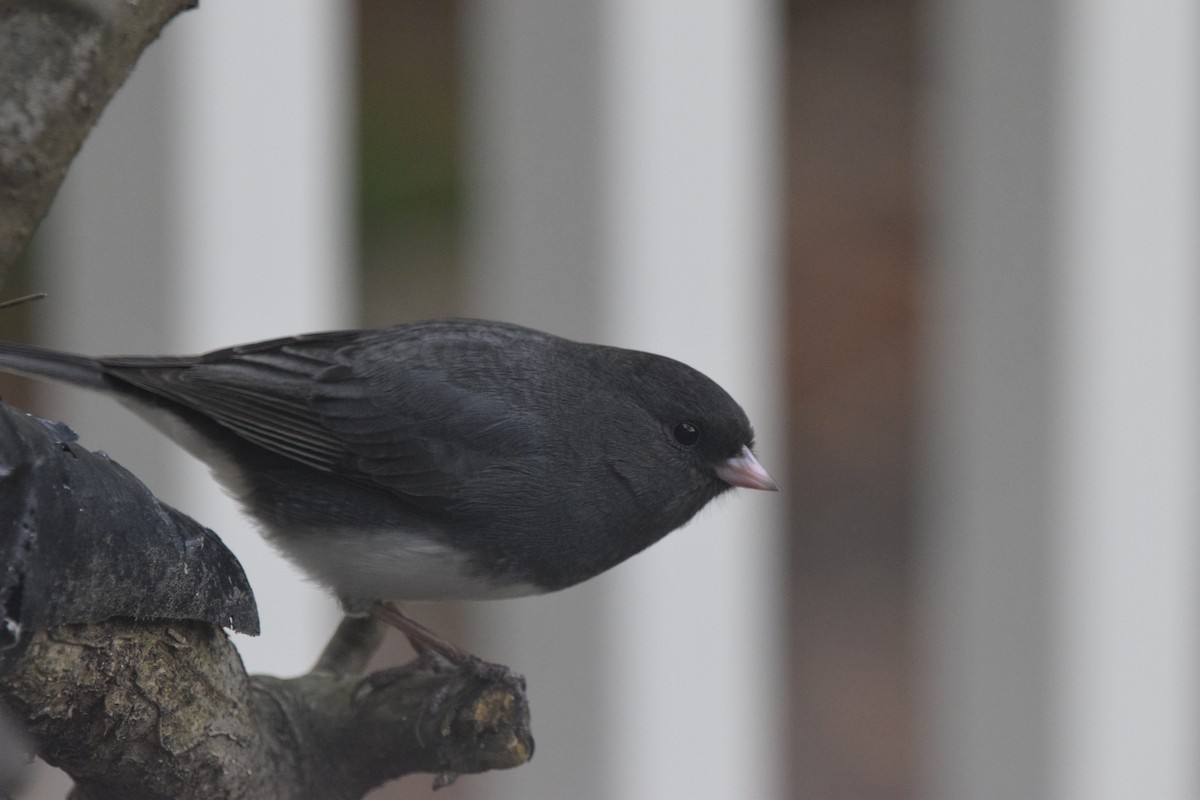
421	638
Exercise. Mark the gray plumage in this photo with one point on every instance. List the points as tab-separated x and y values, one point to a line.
447	458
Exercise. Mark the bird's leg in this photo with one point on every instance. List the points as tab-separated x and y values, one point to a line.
421	638
354	642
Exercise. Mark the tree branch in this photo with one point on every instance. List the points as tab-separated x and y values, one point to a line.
60	63
164	710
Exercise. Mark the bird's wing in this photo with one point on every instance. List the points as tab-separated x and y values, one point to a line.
412	429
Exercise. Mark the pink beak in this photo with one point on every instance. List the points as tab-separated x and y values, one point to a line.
744	470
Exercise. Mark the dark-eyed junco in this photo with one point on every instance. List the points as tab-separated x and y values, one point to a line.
450	458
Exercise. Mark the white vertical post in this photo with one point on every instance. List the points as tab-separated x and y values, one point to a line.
534	118
1128	628
626	162
210	207
1062	568
986	573
692	271
263	126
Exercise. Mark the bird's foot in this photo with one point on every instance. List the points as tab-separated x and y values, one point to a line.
429	645
436	653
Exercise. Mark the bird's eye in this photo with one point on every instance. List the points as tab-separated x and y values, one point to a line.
686	434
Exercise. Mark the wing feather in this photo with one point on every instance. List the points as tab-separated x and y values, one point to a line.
415	426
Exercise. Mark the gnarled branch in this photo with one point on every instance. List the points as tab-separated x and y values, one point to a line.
164	710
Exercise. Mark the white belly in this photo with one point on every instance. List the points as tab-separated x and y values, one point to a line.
389	565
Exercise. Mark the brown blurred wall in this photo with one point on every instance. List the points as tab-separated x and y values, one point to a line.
853	291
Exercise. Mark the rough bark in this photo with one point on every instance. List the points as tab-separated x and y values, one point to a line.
164	711
60	63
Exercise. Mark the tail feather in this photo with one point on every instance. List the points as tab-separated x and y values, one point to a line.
41	362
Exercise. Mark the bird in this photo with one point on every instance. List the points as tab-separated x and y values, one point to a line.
440	459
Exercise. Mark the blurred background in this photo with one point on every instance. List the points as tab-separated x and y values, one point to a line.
945	252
